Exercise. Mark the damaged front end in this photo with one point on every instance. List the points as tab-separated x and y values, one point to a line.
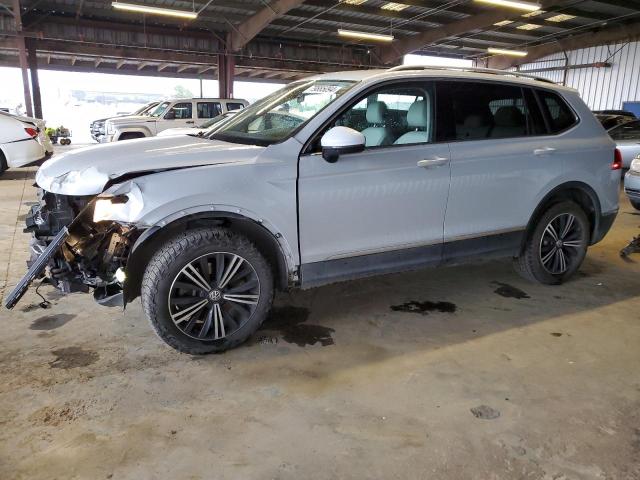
93	243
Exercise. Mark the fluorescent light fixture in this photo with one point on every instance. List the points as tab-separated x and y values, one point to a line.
365	35
393	6
529	7
563	17
528	26
503	23
535	13
169	12
503	51
354	2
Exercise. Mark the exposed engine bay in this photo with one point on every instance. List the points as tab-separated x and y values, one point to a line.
92	252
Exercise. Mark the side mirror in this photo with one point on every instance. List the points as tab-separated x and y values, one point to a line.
339	140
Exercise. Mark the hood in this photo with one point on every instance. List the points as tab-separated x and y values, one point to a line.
86	171
130	118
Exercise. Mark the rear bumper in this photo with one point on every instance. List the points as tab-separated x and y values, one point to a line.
632	185
23	153
603	226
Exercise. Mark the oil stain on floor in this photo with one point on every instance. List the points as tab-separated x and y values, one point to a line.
509	291
424	308
51	322
289	322
73	357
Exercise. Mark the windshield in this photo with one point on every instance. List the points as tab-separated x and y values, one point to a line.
146	109
159	110
278	116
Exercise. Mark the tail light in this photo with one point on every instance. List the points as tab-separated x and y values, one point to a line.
617	160
32	132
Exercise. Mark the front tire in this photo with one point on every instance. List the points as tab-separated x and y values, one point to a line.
207	290
635	204
556	247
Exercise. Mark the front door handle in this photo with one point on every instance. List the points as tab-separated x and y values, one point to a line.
190	121
544	151
433	162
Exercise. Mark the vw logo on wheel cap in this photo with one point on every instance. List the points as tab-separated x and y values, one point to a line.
215	295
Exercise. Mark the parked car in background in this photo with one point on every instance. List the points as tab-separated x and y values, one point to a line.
632	183
627	138
333	178
199	130
624	113
610	121
177	113
97	126
20	144
41	126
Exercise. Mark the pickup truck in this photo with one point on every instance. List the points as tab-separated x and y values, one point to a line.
174	113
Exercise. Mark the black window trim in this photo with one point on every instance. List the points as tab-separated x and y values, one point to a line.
436	80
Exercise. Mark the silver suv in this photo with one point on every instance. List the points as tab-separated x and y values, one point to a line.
332	178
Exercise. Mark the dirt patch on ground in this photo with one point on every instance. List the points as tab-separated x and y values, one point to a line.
73	357
57	415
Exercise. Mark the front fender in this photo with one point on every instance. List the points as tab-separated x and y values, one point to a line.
221	212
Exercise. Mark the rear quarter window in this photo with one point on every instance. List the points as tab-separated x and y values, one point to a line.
559	115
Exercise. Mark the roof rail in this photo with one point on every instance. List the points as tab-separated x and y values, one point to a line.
490	71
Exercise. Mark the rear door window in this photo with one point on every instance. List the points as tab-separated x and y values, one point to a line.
208	109
483	110
559	115
234	106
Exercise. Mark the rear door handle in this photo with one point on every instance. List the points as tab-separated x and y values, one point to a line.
544	151
190	121
433	162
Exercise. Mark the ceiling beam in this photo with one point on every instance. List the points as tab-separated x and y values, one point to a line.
399	48
243	33
590	39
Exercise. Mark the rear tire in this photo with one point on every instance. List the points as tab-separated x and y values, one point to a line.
556	246
635	204
224	314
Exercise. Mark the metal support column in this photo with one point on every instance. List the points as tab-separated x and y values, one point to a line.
22	56
35	82
226	70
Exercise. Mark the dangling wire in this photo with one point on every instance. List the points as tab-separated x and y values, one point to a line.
44	303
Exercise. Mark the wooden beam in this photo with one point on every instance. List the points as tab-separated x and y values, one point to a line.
97	62
142	65
35	82
120	64
22	56
183	68
399	48
163	66
251	27
590	39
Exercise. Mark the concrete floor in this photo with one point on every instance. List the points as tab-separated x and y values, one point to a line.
376	379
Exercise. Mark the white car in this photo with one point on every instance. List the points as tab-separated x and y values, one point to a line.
20	144
41	126
209	124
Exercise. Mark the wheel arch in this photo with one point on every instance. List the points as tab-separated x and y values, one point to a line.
149	241
146	132
579	192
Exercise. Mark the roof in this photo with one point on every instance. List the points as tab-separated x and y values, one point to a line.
437	71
